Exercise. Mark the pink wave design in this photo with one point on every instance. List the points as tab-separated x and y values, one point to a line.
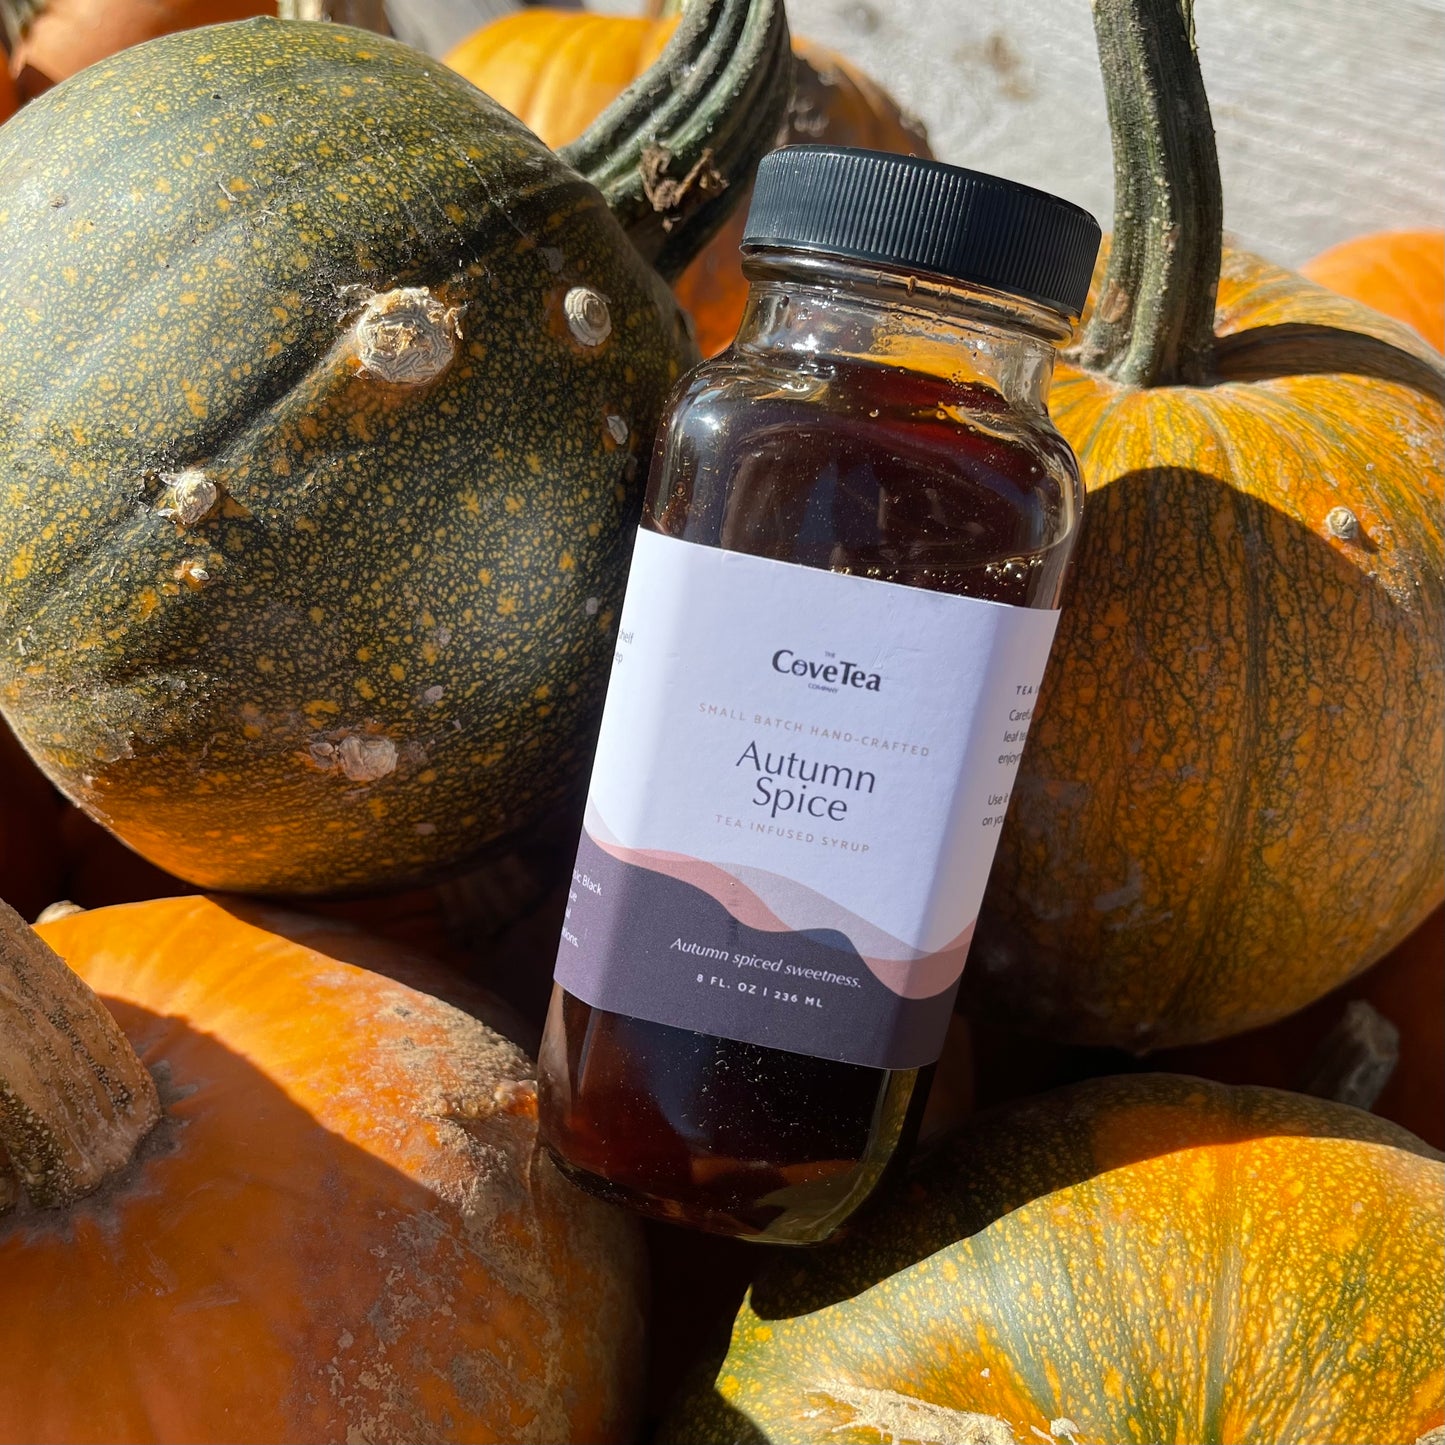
907	971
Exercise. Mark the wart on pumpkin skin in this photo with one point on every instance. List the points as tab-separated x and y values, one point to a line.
362	758
193	496
1342	523
516	1096
588	317
406	336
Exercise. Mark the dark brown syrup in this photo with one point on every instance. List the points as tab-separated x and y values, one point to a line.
877	471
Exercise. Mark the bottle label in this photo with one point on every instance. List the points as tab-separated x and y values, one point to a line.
799	781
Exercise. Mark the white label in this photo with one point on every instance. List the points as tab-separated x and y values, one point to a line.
798	785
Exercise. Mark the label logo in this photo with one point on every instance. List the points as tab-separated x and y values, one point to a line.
826	676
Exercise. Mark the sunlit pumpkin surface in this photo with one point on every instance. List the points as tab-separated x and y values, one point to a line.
1145	1259
1233	796
340	1230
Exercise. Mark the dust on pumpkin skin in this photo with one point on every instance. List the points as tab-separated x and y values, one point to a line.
436	563
345	1211
1149	1258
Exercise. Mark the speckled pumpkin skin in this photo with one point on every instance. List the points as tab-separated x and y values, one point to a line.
1146	1259
1233	794
384	644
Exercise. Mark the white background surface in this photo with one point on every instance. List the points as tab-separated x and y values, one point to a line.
1330	113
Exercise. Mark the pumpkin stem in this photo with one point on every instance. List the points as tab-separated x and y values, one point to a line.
675	151
74	1098
1153	322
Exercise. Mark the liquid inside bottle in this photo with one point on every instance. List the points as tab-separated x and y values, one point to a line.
870	422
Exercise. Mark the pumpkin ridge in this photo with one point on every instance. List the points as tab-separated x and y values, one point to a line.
1254	679
259	419
1223	1322
1226	847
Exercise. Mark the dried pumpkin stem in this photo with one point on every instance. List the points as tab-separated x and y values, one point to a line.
673	153
1153	323
74	1098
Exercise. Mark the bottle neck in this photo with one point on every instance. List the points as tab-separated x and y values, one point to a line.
806	312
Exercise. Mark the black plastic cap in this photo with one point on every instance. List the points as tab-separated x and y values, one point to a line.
923	215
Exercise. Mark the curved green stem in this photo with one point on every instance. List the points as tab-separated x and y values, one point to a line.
1153	323
674	151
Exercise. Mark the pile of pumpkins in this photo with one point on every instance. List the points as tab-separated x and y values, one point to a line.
326	394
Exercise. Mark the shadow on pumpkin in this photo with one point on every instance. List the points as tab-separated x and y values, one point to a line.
1265	353
1405	988
1223	810
409	963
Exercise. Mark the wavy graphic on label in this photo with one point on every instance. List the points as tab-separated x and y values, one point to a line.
773	903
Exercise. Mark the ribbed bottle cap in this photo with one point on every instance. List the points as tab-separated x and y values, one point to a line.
926	216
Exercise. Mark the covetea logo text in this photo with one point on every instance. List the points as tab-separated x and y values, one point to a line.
826	676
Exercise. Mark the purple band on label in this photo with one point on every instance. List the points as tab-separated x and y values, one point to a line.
640	942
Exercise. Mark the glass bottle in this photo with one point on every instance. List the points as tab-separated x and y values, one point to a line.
881	415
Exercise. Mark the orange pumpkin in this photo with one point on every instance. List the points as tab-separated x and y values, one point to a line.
1401	273
1233	794
1147	1258
339	1228
557	69
64	36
